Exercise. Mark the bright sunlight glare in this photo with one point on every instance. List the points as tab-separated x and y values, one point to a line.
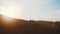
10	10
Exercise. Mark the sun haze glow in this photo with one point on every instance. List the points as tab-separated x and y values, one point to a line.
10	10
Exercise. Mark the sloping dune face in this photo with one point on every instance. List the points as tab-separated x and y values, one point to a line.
20	26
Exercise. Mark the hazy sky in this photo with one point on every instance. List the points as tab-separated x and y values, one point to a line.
36	9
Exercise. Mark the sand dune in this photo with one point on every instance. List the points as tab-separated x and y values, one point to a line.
21	26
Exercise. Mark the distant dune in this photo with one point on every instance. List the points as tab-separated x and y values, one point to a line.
21	26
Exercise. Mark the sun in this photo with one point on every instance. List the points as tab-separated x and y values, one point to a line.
11	10
8	11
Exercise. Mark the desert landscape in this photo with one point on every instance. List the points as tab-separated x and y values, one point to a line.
21	26
29	16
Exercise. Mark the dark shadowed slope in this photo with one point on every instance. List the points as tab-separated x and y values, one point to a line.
20	26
